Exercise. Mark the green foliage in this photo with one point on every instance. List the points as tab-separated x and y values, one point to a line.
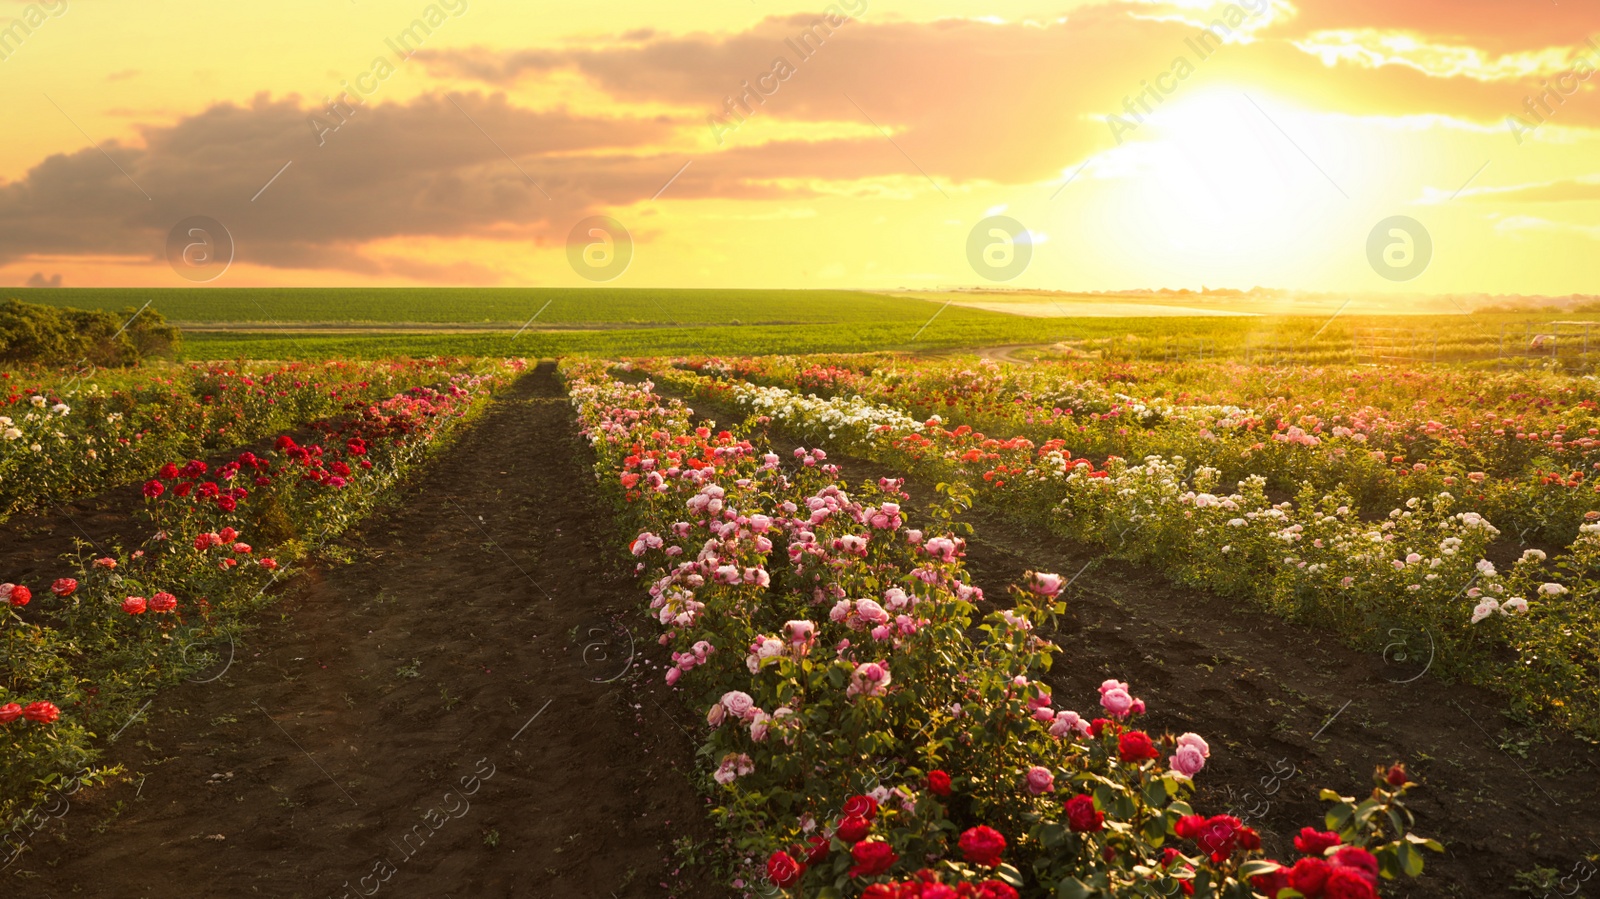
49	335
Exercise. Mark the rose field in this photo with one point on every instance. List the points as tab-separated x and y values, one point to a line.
855	625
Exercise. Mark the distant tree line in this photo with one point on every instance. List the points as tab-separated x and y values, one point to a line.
52	335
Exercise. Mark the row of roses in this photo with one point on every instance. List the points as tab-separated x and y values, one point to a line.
1522	448
131	620
1420	569
830	638
70	434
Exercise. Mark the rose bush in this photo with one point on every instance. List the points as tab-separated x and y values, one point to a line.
81	658
869	736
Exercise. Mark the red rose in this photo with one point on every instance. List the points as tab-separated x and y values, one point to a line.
1098	726
1272	883
1346	883
885	891
269	564
1249	839
183	489
1308	876
1359	859
163	602
153	489
227	503
1315	842
1135	746
783	870
1189	826
1220	837
816	850
1396	776
853	829
872	857
134	605
64	587
994	889
168	471
20	596
861	806
1082	816
938	783
982	846
41	712
227	535
10	712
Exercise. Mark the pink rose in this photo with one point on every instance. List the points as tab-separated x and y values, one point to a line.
1186	762
1046	584
1040	780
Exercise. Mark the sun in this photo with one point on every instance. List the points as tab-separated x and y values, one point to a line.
1219	173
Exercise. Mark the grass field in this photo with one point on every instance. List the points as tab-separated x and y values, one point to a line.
271	323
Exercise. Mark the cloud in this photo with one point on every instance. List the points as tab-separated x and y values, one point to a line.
1567	190
393	170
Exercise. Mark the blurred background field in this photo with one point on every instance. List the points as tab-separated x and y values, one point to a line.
1265	327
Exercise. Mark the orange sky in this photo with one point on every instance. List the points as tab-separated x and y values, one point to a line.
783	144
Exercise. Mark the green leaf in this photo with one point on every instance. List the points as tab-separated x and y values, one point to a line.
1410	859
1257	867
1073	888
1155	832
1009	874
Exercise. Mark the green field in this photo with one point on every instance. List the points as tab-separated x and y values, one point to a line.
273	323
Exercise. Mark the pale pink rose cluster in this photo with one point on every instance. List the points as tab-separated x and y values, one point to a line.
736	704
869	679
859	614
646	542
684	662
886	517
761	650
944	549
1489	606
1189	757
1066	723
733	767
708	501
802	635
1116	699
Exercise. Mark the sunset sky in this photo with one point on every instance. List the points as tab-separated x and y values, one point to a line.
469	158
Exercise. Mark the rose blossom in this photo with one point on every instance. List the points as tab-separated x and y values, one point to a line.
872	857
1082	816
134	605
1040	780
783	870
1186	762
982	846
41	712
64	587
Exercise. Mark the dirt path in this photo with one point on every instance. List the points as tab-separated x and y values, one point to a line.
454	712
1288	710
